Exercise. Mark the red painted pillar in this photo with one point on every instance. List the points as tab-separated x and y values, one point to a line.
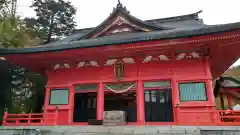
211	100
140	102
230	102
209	84
210	92
5	116
47	94
71	104
100	101
175	99
46	103
47	98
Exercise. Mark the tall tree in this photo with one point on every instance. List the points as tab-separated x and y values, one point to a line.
30	24
18	86
55	18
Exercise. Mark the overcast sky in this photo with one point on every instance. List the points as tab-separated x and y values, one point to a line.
90	13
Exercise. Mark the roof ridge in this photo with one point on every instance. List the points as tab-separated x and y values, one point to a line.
166	19
179	17
121	10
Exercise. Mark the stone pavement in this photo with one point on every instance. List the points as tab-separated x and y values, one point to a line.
121	130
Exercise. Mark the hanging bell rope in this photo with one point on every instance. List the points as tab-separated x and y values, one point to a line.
120	91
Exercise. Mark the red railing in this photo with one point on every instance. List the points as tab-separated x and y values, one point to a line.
31	119
227	117
218	117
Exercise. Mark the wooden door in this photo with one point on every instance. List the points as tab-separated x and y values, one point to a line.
158	106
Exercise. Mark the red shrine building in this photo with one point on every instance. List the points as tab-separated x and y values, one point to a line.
156	71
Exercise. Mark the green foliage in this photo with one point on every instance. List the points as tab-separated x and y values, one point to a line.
18	86
55	18
23	90
5	82
12	32
27	91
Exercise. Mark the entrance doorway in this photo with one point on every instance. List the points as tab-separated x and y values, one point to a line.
122	102
85	105
158	105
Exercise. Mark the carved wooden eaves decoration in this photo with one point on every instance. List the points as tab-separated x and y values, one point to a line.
120	25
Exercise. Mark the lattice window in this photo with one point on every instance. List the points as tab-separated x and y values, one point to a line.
192	92
157	84
86	87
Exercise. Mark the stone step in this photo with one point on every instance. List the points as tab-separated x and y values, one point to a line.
100	130
120	130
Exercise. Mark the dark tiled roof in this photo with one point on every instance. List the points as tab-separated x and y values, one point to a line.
165	28
127	38
193	16
183	24
183	21
120	10
230	82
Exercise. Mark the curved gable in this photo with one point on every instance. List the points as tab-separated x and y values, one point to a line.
120	21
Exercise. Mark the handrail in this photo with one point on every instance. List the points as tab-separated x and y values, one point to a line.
210	111
220	117
27	114
30	119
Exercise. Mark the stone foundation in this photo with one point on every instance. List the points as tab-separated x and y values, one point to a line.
121	130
